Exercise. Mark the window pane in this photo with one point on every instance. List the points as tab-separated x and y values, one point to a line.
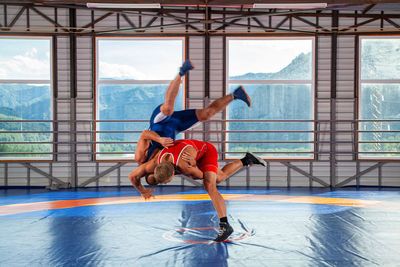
380	58
380	102
127	102
273	102
25	102
24	59
271	59
119	61
130	59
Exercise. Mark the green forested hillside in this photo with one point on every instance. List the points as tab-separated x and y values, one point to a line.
270	102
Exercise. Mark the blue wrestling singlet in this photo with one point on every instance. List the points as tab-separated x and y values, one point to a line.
170	126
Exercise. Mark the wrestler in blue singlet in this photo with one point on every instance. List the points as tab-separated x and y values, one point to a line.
170	126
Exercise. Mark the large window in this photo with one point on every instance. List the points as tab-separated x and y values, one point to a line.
278	74
25	94
133	75
379	99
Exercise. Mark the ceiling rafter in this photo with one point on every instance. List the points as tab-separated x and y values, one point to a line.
392	22
183	20
368	8
271	28
282	22
359	24
19	14
219	23
128	20
262	25
310	23
48	18
93	23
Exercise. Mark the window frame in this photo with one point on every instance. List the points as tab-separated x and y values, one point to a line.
50	82
312	82
127	156
360	81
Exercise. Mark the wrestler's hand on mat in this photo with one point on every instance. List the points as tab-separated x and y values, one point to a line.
166	142
146	193
186	156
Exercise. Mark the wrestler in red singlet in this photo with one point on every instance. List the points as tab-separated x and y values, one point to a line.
207	155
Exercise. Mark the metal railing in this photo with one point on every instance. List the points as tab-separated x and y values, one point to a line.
331	146
319	137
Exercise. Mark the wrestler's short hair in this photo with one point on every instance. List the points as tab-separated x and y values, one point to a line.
163	171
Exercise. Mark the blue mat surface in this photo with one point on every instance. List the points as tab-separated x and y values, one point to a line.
276	227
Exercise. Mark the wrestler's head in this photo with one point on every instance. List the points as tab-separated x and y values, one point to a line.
164	172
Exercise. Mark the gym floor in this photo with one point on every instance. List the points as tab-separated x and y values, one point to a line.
276	227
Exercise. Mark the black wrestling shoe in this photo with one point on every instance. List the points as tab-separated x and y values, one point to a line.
225	230
253	159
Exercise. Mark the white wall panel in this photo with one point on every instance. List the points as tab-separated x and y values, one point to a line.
17	175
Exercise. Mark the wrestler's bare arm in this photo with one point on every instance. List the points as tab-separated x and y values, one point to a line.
138	173
144	142
187	164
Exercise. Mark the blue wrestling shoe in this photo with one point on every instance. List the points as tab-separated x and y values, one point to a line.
241	94
186	66
225	230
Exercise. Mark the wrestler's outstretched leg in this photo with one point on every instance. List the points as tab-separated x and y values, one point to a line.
167	108
221	103
229	169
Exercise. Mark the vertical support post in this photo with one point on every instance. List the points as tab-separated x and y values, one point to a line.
289	178
28	177
97	173
6	174
311	173
5	15
316	123
162	19
268	174
187	75
358	174
247	177
355	104
207	69
51	173
73	94
119	176
334	42
224	88
28	21
380	176
93	124
55	95
187	78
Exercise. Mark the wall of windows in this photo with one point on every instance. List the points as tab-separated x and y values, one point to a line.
278	75
25	94
379	98
133	75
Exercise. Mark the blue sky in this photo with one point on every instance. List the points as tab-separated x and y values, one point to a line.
264	56
145	59
140	59
25	59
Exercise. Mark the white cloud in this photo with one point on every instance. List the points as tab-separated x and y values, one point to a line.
120	71
31	53
28	66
